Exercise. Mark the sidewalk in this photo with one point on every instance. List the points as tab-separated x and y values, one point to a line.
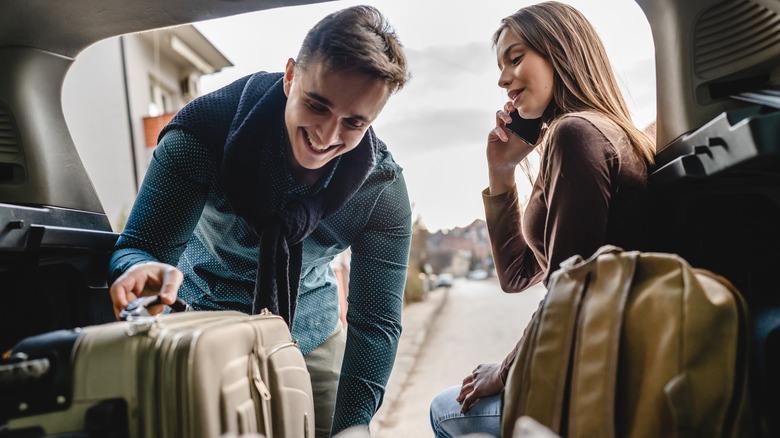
416	318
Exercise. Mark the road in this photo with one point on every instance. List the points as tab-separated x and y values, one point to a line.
472	322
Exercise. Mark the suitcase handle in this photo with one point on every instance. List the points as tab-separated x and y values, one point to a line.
18	371
139	308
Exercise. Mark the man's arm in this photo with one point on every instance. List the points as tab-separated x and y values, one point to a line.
378	275
168	205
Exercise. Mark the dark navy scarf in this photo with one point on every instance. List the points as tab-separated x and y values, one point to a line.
241	124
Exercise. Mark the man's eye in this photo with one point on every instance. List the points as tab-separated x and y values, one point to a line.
354	124
317	108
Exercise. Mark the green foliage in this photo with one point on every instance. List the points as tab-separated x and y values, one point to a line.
121	221
418	258
415	289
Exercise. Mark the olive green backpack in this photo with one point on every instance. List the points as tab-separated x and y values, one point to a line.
630	344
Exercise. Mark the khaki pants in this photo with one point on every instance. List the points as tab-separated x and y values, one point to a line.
324	365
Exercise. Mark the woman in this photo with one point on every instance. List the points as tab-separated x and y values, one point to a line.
592	176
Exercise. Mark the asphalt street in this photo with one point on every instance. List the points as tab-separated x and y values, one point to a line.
444	337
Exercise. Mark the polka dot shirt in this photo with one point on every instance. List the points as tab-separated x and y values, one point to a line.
181	217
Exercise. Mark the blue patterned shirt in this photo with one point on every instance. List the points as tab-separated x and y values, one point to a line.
181	217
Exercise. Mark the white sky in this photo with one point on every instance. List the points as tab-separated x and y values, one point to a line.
437	125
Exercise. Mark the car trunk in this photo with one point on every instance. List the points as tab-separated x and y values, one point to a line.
715	190
716	202
55	239
53	267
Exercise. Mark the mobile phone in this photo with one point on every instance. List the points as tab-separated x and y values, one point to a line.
527	129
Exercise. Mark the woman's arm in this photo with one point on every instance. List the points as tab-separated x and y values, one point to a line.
516	265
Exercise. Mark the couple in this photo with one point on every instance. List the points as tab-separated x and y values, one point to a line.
255	187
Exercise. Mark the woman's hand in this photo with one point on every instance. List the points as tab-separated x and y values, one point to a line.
484	381
504	152
143	279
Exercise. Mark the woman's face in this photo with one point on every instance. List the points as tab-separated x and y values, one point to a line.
525	74
327	113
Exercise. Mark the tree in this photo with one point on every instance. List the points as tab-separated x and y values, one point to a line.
417	277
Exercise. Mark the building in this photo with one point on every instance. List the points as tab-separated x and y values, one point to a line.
120	92
460	250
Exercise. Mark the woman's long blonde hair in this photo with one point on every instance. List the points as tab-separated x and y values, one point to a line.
584	80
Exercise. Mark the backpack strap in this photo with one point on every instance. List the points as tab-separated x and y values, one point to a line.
537	381
550	361
545	361
595	360
515	392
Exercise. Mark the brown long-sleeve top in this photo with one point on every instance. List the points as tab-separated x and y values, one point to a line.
588	193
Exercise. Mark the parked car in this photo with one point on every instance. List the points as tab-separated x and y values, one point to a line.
715	188
477	274
445	279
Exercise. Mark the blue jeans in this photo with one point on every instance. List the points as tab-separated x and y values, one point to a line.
447	421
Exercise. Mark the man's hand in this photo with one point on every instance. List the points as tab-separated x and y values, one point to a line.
143	279
484	381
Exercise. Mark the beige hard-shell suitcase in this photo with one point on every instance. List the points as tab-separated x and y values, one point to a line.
192	374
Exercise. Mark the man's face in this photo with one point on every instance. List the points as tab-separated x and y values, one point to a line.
327	113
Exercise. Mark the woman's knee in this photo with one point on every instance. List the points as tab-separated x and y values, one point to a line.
447	420
445	405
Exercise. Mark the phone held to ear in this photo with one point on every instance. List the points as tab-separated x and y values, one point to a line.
527	129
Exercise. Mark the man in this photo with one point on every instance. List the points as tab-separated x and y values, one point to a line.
257	186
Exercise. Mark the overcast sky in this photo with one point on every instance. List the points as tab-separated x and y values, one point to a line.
437	125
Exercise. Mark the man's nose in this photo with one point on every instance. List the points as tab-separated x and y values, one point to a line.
329	132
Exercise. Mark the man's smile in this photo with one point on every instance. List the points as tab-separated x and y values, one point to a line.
309	141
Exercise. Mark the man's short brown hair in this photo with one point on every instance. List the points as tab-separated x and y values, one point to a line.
360	39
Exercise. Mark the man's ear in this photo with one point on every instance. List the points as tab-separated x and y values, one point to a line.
289	72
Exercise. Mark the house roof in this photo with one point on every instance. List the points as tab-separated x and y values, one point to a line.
187	46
